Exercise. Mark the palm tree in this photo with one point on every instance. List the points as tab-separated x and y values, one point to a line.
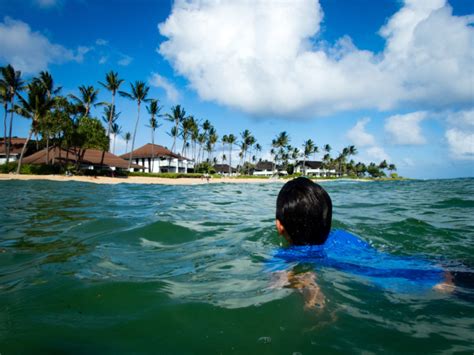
139	93
194	137
87	99
201	141
212	140
109	111
250	143
224	141
391	167
176	116
258	150
327	148
352	150
360	169
247	140
12	81
112	83
35	107
116	130
295	153
127	137
154	110
231	139
4	99
279	143
383	165
187	125
46	80
308	149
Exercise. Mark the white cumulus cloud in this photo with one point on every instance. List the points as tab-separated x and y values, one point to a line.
125	60
101	42
47	3
159	81
370	150
103	60
263	57
31	51
359	136
405	129
377	154
460	134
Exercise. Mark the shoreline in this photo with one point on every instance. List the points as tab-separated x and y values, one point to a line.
134	180
150	180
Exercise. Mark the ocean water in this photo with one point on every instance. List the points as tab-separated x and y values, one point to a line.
88	268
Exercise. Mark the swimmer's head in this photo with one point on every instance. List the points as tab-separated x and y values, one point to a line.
303	212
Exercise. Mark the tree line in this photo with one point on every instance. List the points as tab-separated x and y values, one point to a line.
65	121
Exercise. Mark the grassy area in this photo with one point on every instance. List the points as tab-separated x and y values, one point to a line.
33	169
168	175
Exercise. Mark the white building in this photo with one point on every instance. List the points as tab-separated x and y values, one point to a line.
267	168
225	169
158	159
313	168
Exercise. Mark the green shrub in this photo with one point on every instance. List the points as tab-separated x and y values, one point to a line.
8	168
31	169
205	168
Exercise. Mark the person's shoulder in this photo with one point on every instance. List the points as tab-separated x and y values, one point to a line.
340	237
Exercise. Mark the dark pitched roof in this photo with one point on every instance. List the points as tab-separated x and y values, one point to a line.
90	157
146	152
223	168
264	165
267	165
16	147
312	164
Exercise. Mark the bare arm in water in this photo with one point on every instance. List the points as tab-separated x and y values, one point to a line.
306	284
447	286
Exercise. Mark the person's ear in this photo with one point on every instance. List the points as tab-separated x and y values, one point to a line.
280	228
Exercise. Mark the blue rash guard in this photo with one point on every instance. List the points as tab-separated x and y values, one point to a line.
346	252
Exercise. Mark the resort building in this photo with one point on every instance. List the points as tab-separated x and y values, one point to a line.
313	168
158	159
268	168
89	159
224	169
15	149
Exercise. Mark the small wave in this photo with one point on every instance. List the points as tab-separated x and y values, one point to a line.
455	202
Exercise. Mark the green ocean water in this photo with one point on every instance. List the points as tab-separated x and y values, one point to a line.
88	268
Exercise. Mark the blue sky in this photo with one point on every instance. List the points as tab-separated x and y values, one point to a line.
395	78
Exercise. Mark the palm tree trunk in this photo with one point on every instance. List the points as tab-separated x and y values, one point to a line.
11	128
47	149
23	151
152	150
5	107
230	160
113	150
133	139
112	109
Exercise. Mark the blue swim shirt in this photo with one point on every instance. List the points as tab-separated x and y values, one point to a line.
346	252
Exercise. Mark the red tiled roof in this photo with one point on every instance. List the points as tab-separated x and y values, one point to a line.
91	157
158	151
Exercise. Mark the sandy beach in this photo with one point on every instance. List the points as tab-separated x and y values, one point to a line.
137	180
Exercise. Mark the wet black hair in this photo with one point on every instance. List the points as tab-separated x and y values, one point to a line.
305	210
